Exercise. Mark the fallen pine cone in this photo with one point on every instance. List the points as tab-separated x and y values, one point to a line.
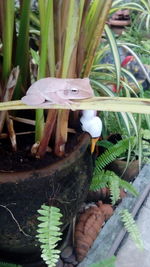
106	209
88	227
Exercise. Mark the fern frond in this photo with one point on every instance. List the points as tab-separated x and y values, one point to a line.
99	180
114	188
112	153
107	179
105	263
127	186
5	264
104	143
114	182
49	233
131	227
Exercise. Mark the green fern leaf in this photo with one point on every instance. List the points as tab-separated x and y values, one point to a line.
112	153
4	264
49	233
114	182
104	143
99	180
114	189
131	227
107	179
129	187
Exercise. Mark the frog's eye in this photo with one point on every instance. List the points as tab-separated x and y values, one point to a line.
74	90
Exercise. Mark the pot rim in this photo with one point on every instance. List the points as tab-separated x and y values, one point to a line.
78	150
120	23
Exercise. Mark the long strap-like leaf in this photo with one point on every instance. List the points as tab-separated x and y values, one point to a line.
115	104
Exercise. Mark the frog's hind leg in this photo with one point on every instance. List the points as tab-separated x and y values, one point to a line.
32	99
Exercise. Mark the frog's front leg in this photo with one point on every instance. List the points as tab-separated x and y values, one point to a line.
54	98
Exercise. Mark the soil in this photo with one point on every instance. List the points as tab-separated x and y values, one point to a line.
23	160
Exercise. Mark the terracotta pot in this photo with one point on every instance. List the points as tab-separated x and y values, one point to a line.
120	18
63	184
119	21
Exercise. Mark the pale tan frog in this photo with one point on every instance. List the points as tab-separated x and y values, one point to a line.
57	91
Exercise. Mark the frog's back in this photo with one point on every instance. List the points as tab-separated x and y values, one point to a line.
39	85
48	84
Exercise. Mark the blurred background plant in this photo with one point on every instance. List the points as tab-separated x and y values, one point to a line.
131	49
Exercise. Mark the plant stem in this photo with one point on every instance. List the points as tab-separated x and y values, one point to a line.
39	124
51	117
12	134
61	132
96	35
45	9
72	28
48	129
22	55
11	83
51	44
8	37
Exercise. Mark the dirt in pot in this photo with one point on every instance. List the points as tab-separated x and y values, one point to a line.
22	158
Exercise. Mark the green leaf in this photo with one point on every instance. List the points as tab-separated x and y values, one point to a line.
115	54
4	264
73	25
22	55
42	219
43	212
114	189
104	143
103	87
138	60
35	56
129	187
105	263
49	233
129	74
44	224
112	153
131	227
8	37
99	180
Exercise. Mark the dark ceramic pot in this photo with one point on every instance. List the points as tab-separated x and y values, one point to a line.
63	184
129	173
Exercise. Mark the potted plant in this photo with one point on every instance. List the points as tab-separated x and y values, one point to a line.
62	45
52	168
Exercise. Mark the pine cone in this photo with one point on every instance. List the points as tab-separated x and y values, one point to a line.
88	227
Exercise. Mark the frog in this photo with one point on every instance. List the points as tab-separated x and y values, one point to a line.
61	91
